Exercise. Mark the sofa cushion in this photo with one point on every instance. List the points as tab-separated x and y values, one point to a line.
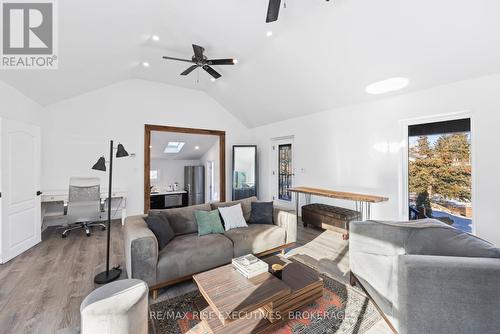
233	217
208	222
256	238
449	241
246	206
161	228
262	213
190	254
183	220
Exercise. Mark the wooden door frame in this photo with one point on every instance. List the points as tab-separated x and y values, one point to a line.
164	128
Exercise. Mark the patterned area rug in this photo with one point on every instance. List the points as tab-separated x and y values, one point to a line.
341	310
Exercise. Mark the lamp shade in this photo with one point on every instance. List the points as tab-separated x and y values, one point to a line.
121	152
100	164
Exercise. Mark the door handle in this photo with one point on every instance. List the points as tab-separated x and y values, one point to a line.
38	193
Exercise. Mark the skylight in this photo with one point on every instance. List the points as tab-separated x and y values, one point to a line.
174	147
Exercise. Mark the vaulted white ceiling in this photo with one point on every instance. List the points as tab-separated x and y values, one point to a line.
321	55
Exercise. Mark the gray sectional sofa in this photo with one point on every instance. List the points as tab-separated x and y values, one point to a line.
428	277
188	253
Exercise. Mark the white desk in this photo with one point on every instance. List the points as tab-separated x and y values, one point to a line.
54	201
161	193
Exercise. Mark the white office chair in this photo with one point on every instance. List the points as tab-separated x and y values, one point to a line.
84	205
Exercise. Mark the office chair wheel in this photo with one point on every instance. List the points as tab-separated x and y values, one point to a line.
88	234
63	236
103	228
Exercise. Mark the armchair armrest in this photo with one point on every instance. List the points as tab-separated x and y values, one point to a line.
288	221
439	294
141	249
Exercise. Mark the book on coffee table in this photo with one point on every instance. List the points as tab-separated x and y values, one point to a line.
250	266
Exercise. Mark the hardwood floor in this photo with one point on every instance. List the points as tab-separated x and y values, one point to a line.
42	289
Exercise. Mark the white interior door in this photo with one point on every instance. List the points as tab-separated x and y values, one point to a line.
20	182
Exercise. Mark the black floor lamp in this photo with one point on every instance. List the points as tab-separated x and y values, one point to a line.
109	275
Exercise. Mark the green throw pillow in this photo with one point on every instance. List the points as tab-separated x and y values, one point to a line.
208	222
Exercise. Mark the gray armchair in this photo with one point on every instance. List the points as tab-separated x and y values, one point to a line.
427	277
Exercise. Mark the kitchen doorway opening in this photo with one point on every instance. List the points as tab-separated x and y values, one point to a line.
183	167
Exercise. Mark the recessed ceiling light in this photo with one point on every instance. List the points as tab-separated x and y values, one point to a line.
155	38
212	79
386	86
196	147
145	64
269	33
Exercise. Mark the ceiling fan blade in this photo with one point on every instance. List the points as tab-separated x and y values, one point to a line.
198	51
221	62
212	72
178	59
273	10
189	70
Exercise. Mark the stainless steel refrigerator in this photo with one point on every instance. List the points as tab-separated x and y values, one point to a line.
194	184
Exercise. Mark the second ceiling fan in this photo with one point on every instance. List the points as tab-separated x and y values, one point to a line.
273	10
200	60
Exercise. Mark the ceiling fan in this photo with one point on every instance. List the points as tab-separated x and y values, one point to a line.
200	60
273	10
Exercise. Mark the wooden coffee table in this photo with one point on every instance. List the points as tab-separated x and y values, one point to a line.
234	304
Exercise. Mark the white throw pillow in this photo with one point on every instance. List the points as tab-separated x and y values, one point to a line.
233	217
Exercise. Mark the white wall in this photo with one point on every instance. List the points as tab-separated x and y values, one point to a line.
170	171
78	130
359	148
213	154
16	106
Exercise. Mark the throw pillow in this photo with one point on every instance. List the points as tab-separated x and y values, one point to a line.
161	228
233	217
262	213
208	222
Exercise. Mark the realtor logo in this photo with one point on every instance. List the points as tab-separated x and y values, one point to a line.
28	35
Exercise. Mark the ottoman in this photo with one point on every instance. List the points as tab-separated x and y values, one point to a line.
117	307
328	217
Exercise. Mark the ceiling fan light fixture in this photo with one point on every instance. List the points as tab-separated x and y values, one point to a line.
213	79
269	33
199	60
387	86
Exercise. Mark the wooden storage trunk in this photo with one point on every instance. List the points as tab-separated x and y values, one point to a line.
328	217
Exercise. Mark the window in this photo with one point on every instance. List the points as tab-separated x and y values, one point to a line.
440	172
285	171
153	174
174	147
